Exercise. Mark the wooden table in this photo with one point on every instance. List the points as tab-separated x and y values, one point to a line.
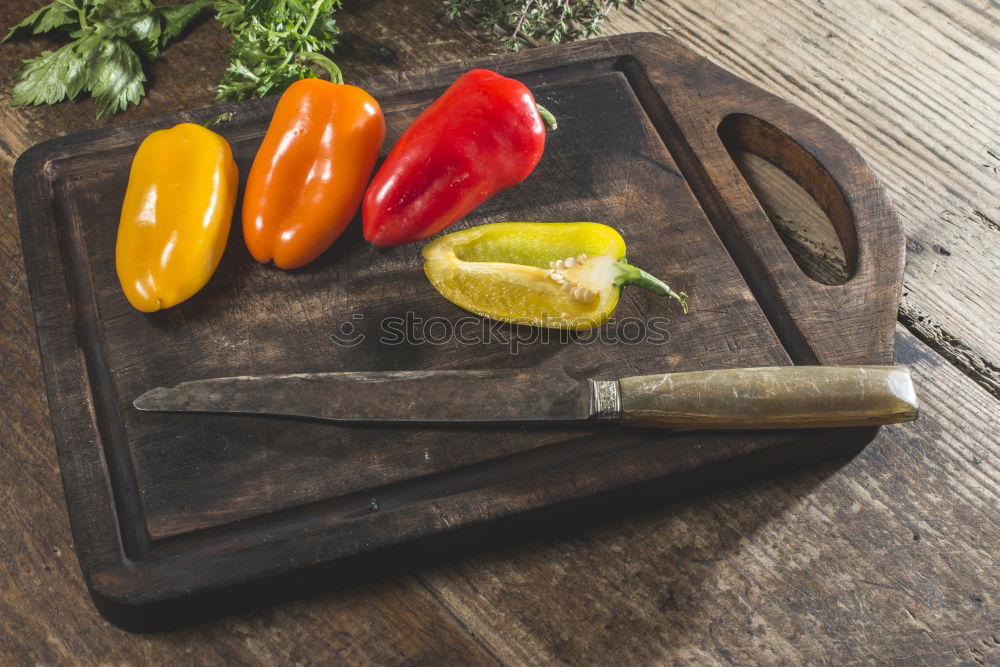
890	557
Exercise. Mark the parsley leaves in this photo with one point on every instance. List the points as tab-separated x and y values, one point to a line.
111	41
274	42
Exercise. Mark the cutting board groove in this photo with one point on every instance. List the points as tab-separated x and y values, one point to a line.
724	224
178	517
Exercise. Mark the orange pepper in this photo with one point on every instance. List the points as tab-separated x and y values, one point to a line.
310	173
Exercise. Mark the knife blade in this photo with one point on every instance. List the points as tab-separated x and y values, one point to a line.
744	398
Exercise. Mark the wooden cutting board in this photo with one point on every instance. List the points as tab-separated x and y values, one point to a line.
179	517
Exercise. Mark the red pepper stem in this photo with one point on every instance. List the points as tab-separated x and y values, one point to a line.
547	117
633	275
313	58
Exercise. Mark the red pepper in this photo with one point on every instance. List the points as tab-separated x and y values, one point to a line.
483	135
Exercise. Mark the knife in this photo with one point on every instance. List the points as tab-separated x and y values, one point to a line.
743	398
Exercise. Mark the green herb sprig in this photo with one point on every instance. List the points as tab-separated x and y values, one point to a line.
519	22
274	44
112	40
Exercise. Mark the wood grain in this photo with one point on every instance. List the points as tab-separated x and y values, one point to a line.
772	569
886	558
914	87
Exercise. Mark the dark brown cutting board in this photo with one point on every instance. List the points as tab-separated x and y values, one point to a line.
177	517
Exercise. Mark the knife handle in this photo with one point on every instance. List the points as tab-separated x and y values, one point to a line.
778	397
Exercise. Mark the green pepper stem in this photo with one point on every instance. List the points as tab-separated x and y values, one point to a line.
313	58
633	275
223	117
547	117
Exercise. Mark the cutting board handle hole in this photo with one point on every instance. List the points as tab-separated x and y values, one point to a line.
803	202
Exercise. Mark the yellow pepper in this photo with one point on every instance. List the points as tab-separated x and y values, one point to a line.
559	275
176	215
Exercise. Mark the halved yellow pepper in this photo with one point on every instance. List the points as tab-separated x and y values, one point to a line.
564	275
176	215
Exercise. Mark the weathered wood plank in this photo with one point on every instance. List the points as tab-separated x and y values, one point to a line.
48	617
887	558
915	87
